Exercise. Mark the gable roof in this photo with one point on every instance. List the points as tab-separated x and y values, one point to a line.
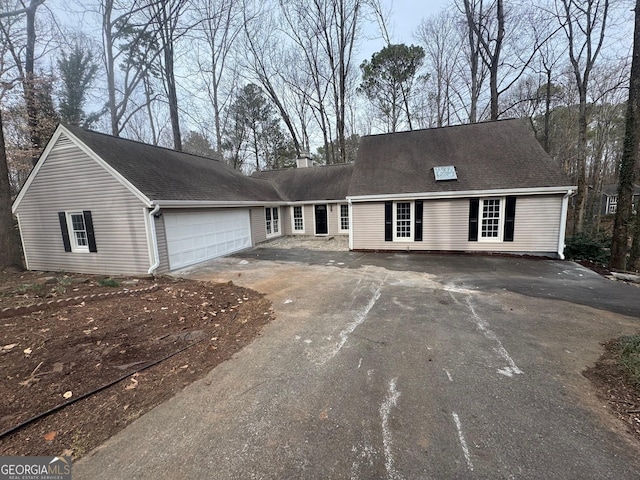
487	156
162	174
326	182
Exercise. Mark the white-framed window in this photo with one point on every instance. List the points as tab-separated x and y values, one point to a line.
613	204
344	217
77	232
491	220
403	221
298	219
272	221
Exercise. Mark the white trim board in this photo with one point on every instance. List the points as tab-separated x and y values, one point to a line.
461	194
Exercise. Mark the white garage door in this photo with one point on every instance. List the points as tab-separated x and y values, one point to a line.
198	236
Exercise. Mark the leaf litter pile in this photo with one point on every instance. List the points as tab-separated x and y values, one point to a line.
109	359
617	386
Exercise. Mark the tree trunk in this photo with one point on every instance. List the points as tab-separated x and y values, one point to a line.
495	61
547	113
216	107
29	80
581	196
172	97
474	47
628	164
107	37
10	251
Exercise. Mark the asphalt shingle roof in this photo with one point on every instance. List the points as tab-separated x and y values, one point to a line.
487	156
610	190
164	174
326	182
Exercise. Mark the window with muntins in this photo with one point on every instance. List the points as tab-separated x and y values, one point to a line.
298	220
79	231
613	204
271	218
267	218
491	220
344	217
403	221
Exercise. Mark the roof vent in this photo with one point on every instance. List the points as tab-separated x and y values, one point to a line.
445	173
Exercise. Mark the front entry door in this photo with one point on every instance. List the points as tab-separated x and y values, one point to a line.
321	220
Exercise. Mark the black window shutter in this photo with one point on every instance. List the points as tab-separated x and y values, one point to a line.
417	235
91	237
65	231
388	221
509	221
474	207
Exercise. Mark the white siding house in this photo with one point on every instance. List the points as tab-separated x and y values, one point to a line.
104	205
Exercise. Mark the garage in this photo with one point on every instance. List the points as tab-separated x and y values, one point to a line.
194	237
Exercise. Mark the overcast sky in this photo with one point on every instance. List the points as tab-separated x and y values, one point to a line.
403	20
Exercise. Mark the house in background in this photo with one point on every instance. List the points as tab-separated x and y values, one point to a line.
105	205
609	203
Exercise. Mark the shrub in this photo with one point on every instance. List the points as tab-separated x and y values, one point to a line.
109	282
630	355
586	247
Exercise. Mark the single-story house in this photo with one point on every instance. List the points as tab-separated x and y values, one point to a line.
100	204
609	202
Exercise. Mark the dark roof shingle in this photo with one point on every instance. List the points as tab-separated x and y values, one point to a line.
612	189
487	156
326	182
164	174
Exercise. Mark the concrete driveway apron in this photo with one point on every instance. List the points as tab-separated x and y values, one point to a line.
399	367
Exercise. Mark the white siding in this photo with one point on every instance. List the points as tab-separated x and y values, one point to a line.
446	227
69	180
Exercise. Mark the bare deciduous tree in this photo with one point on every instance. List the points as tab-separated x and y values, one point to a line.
165	15
629	164
441	41
584	23
129	50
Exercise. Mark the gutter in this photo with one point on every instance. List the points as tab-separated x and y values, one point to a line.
563	222
154	239
350	225
460	194
212	204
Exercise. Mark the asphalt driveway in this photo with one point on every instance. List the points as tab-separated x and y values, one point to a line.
397	366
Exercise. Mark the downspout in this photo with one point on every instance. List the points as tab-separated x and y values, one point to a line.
563	223
350	225
154	239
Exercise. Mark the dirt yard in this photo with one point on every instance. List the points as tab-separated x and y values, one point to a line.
97	353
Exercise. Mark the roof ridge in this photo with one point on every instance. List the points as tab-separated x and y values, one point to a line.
138	142
442	127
